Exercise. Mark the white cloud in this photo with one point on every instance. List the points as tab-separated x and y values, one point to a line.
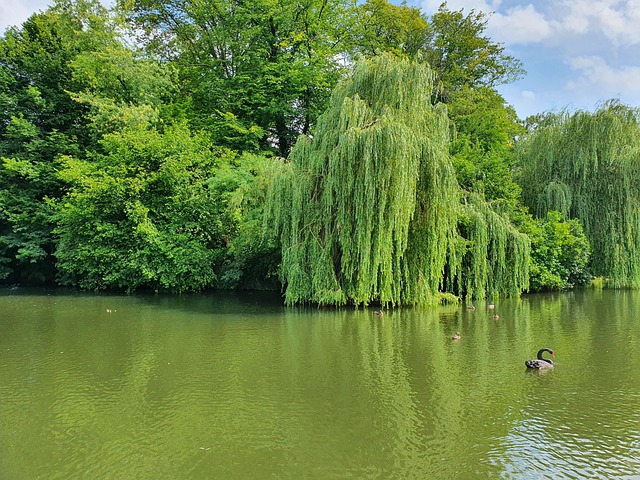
617	20
15	12
577	52
519	24
595	74
522	24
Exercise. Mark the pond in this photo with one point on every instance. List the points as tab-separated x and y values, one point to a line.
237	386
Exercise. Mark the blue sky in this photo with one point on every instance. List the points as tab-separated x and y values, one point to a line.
577	53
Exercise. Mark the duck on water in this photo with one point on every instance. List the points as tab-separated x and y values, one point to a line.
541	363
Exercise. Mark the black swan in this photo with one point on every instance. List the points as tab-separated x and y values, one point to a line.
541	363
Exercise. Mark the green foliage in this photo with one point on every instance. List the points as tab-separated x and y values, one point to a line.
118	89
25	222
560	253
482	144
481	116
586	166
36	64
367	210
27	178
382	26
449	299
482	155
124	154
462	56
469	66
116	72
270	64
250	262
39	122
491	257
149	213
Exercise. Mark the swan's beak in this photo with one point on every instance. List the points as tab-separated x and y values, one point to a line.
553	354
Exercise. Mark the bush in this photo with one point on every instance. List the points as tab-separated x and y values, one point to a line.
560	253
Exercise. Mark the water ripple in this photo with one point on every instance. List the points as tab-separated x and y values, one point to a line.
163	391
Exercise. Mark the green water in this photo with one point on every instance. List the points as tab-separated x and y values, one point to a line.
222	386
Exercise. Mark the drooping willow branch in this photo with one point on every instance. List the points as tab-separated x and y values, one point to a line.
367	210
587	166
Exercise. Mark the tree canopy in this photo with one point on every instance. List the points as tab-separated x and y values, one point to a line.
39	121
462	55
587	166
260	67
149	146
368	209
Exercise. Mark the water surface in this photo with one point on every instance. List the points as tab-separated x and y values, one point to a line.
238	386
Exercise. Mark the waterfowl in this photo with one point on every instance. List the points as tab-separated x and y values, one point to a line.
496	316
456	336
471	307
541	363
379	313
491	306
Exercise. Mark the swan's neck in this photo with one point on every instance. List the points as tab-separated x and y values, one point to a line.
544	359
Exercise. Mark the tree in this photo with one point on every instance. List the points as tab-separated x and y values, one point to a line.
380	26
151	212
462	56
469	66
27	180
250	262
36	64
560	253
365	210
482	145
368	208
491	258
585	165
39	122
259	67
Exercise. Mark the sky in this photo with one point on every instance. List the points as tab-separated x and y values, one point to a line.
577	53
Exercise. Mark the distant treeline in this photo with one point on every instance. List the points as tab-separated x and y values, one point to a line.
344	152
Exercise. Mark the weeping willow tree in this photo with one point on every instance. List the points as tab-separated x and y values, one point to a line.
587	166
367	209
492	256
